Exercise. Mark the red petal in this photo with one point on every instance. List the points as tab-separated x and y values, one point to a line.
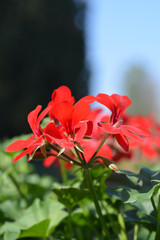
116	103
137	130
32	118
63	112
89	128
149	151
25	152
64	143
53	135
88	99
43	113
52	131
61	94
18	145
121	102
48	161
131	135
106	151
105	100
123	141
90	146
81	132
37	142
108	128
80	112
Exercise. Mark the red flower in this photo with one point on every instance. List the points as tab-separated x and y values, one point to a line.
36	140
59	95
90	146
55	135
74	124
150	146
95	116
117	104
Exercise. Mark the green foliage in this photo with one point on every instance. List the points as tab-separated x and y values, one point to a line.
39	220
40	207
70	196
135	186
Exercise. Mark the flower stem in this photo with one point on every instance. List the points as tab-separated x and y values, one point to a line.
78	155
69	159
136	227
154	205
100	145
70	233
157	237
17	186
96	203
63	172
122	234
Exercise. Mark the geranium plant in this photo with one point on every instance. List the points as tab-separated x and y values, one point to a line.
89	142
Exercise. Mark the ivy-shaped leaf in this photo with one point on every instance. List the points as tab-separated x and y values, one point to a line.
135	186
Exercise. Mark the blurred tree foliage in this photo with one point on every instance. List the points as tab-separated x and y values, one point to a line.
41	48
139	87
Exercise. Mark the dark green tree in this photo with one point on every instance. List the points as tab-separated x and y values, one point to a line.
41	48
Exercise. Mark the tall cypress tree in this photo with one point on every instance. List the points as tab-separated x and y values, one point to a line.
42	48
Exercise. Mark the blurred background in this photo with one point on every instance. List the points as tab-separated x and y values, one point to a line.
91	46
41	48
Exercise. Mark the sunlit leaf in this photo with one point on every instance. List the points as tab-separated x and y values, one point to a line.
42	215
135	186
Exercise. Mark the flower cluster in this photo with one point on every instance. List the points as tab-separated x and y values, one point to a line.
77	134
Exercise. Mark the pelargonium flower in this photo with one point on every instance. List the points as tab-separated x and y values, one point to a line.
118	104
90	146
74	124
115	103
59	95
150	146
36	140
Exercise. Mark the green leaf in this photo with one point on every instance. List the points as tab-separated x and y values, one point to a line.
70	196
135	186
11	235
40	215
134	195
135	216
38	230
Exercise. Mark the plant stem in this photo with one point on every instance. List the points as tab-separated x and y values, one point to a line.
100	145
154	205
96	203
17	186
67	158
63	172
135	232
83	158
79	233
122	234
148	236
77	152
157	237
112	221
70	224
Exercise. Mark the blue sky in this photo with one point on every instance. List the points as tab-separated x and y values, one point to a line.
120	33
